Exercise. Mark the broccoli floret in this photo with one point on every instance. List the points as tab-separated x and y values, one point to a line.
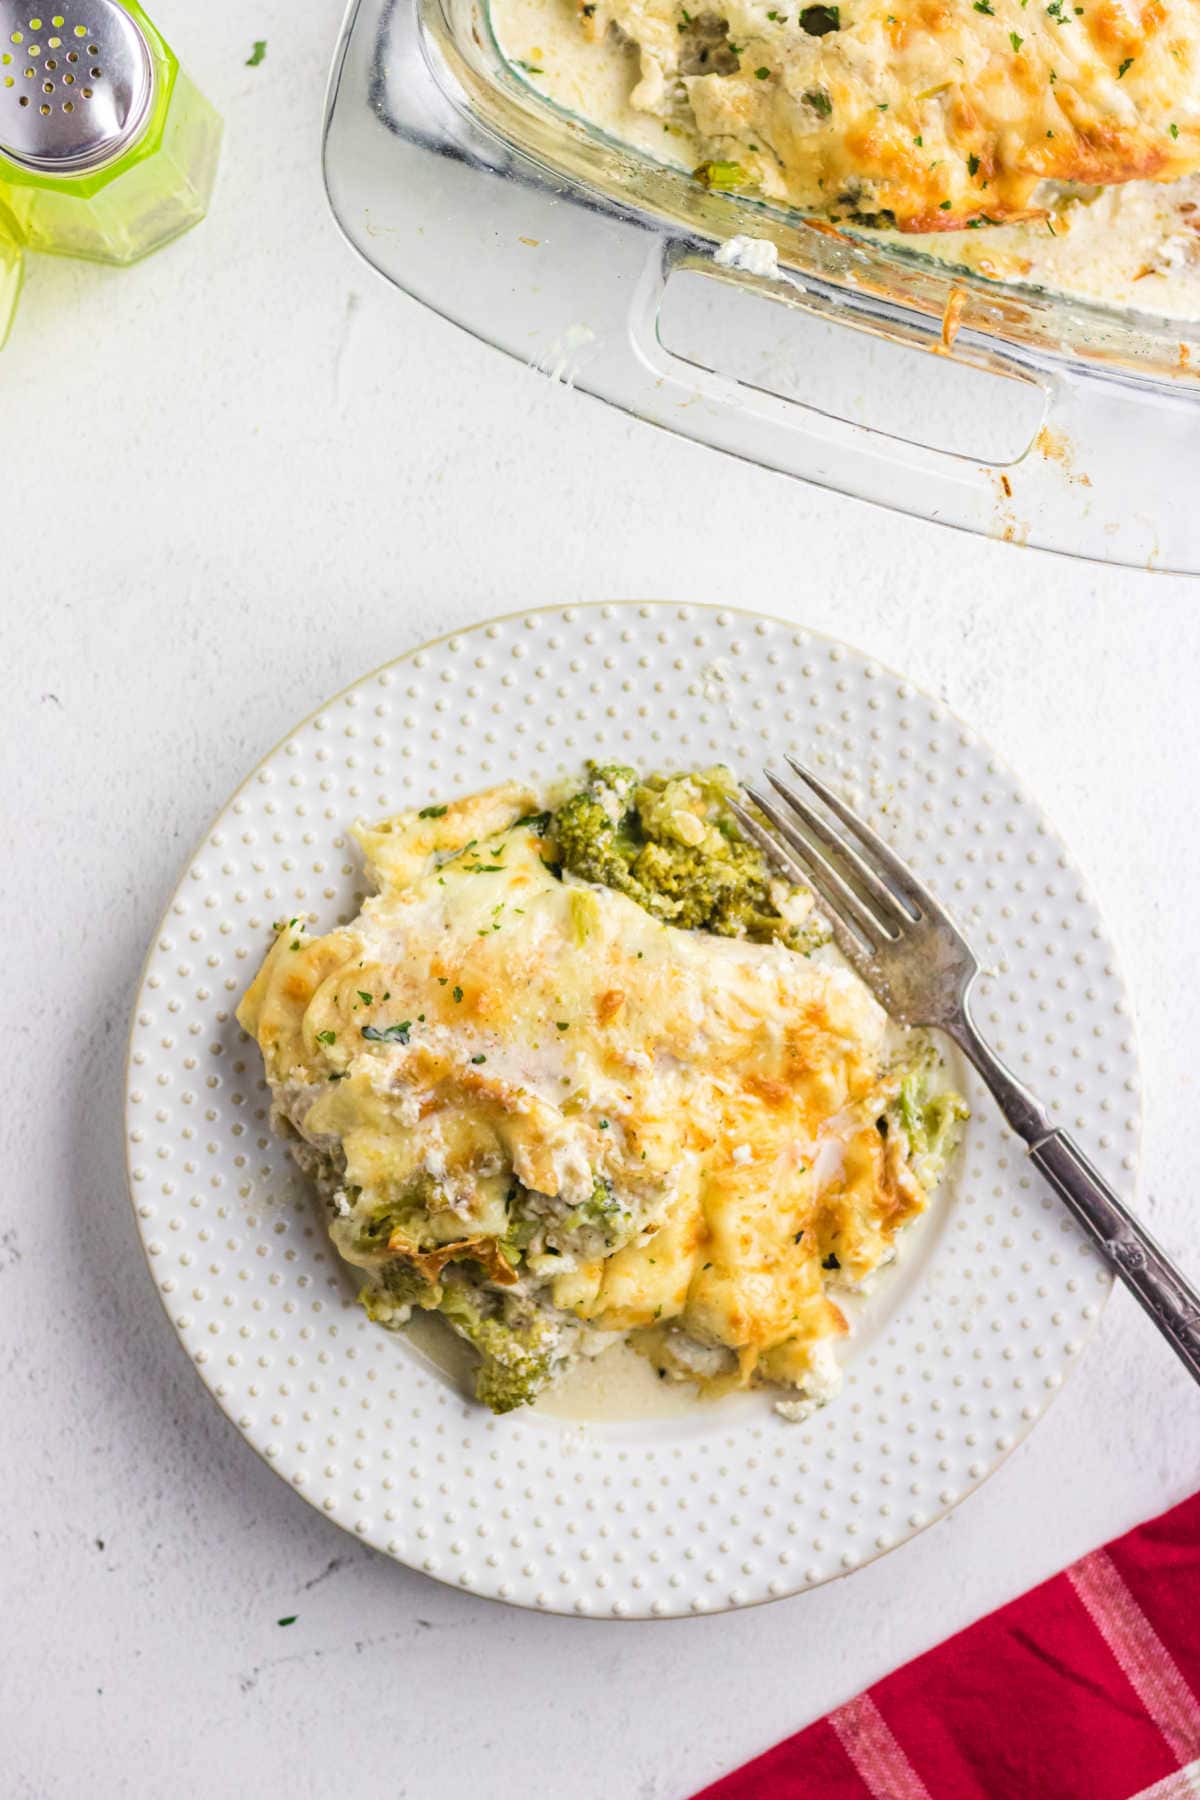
671	844
517	1362
601	1209
931	1122
396	1289
517	1354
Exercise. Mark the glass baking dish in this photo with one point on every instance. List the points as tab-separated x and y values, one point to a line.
472	192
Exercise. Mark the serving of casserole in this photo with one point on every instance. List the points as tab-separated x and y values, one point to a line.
585	1071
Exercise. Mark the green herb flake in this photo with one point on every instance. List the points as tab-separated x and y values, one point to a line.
820	102
433	812
391	1034
367	999
943	206
761	74
256	56
458	994
919	141
529	68
602	1125
973	165
882	107
1174	130
1127	64
1016	40
327	1037
479	1059
561	1025
290	1620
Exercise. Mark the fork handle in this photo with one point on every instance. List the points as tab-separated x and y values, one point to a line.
1147	1271
1128	1249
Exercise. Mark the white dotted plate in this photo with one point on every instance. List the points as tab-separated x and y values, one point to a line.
965	1342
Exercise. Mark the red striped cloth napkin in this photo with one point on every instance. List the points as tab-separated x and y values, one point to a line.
1086	1688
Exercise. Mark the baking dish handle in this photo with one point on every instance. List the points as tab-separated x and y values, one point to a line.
1039	496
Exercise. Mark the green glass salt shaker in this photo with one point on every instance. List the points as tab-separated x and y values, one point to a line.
107	151
12	269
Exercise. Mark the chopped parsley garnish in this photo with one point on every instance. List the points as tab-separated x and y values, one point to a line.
433	812
529	68
339	1076
943	206
919	141
457	995
761	74
984	6
820	102
479	1059
442	980
290	1620
327	1037
817	20
561	1025
1127	64
973	165
1174	130
367	999
1016	40
391	1034
256	56
602	1125
882	107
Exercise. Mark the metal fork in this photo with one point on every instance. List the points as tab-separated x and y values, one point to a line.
919	966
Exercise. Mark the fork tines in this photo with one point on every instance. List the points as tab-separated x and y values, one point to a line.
869	894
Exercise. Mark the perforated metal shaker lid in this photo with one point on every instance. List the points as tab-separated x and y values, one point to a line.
76	85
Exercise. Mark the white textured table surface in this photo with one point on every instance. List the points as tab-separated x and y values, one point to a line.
234	478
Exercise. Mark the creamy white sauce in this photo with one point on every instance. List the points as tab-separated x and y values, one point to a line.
1137	245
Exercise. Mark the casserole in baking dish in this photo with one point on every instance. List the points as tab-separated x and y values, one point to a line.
1070	421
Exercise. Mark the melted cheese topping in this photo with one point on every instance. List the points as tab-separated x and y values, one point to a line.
929	114
483	1020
